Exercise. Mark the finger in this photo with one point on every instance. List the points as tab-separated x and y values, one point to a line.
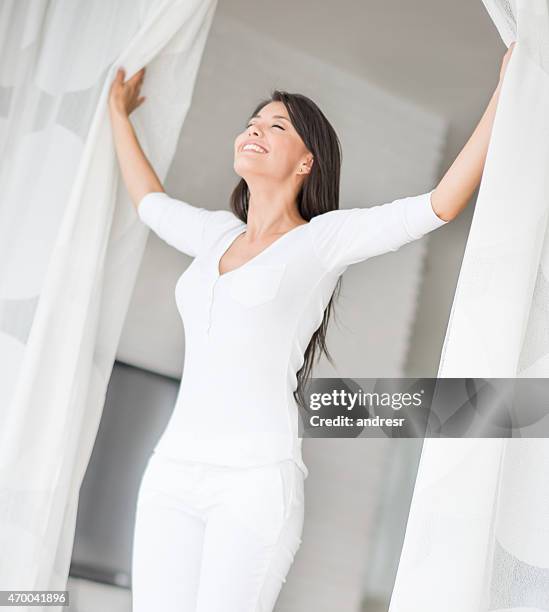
120	73
138	76
141	100
135	79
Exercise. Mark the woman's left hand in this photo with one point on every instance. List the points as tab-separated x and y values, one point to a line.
505	60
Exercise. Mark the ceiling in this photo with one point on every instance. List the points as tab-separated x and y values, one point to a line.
442	54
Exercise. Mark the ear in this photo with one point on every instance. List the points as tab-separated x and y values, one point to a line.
305	167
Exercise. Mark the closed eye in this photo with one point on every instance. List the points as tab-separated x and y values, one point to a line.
274	125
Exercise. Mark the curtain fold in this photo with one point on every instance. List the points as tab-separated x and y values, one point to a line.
477	536
71	243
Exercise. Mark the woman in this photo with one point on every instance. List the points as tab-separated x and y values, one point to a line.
221	503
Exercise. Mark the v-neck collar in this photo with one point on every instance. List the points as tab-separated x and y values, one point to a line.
232	238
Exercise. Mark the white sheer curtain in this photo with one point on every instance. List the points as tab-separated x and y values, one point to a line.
477	537
71	242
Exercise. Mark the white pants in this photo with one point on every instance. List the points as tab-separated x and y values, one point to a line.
211	538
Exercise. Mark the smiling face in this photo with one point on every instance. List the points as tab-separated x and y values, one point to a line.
270	146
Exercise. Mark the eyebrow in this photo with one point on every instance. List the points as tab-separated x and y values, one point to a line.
274	117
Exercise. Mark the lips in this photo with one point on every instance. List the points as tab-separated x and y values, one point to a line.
254	147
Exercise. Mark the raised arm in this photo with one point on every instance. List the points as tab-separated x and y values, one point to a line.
457	186
182	225
137	173
348	236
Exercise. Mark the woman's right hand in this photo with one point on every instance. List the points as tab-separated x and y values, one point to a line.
124	96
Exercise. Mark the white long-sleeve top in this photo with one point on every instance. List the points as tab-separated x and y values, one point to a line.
246	330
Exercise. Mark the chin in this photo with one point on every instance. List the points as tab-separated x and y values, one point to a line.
242	168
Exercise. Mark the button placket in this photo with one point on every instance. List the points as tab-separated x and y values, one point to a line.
210	309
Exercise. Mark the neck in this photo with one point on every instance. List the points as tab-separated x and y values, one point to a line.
272	208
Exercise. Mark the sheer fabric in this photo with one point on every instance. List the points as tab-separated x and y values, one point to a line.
71	242
477	536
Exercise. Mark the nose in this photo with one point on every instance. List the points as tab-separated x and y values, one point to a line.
253	129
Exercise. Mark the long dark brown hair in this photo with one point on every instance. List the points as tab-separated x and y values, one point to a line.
319	193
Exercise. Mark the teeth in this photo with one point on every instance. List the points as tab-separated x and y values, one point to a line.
253	148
